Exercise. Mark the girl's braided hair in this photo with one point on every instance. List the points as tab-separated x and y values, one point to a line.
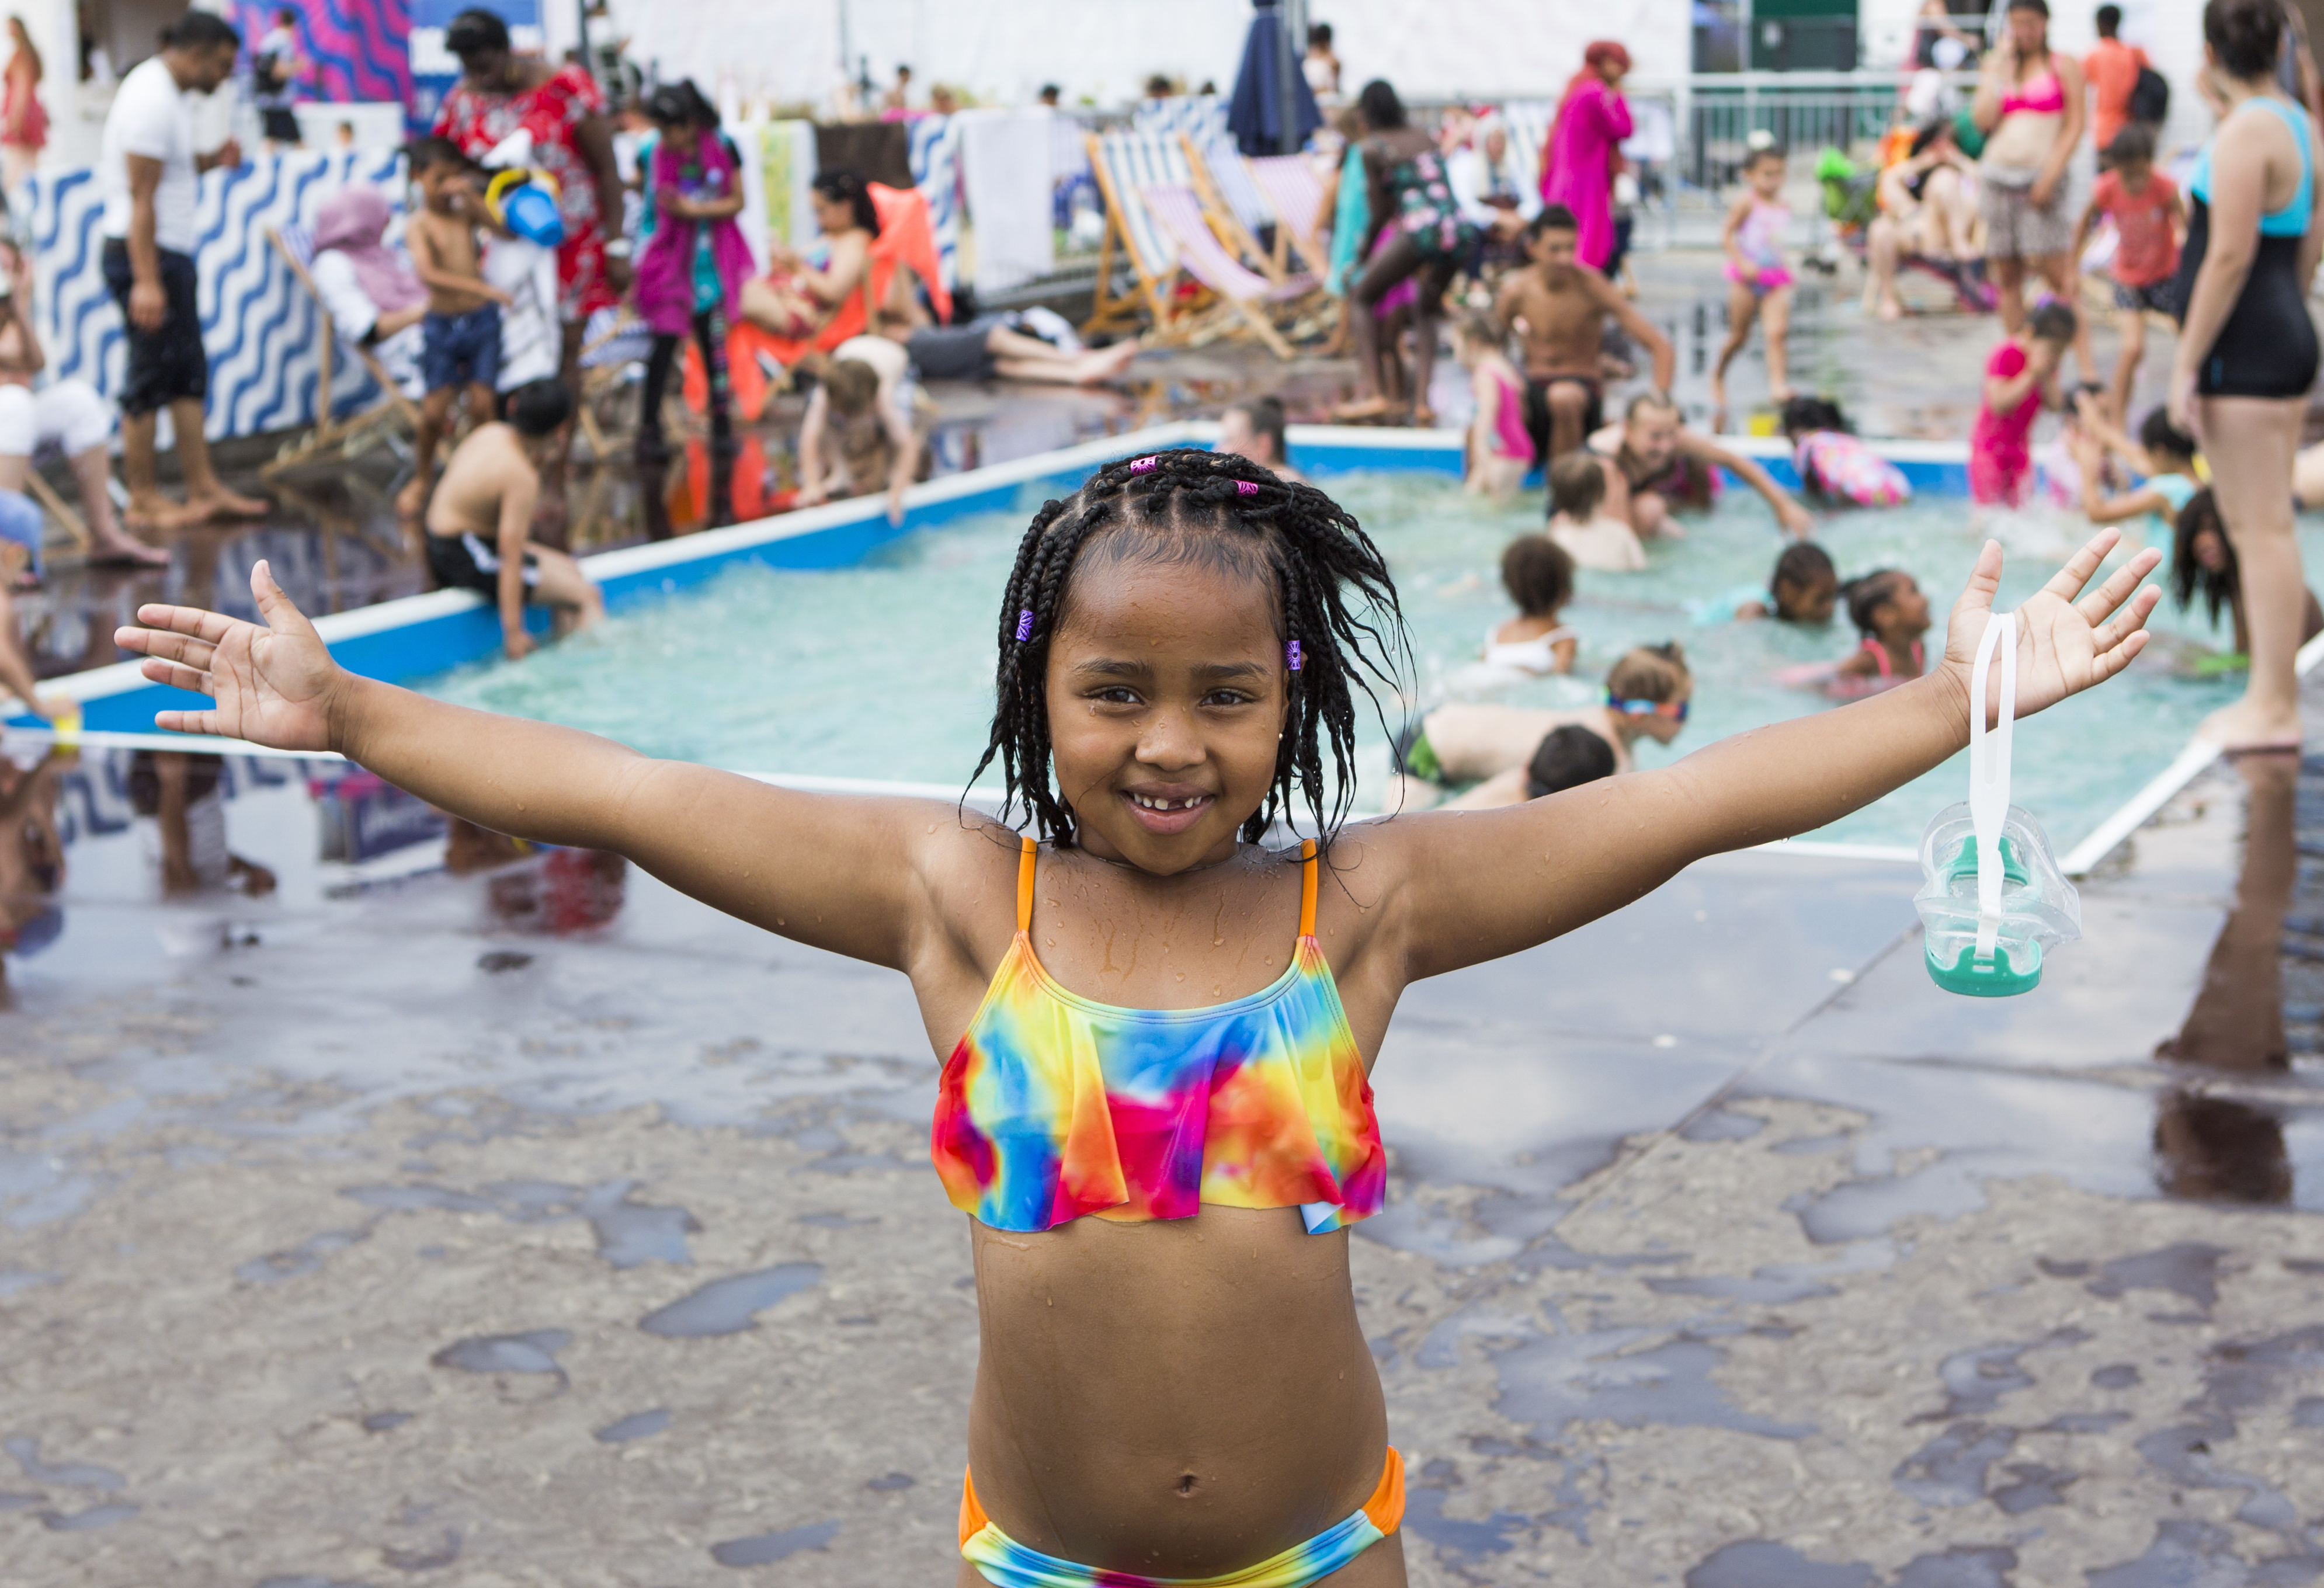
1228	513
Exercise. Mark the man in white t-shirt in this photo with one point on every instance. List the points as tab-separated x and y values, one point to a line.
149	173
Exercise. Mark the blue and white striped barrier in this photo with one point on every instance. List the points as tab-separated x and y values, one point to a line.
260	327
935	172
1203	117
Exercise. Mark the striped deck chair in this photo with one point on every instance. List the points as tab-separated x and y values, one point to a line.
1529	121
1179	211
1202	120
1124	162
1291	187
352	435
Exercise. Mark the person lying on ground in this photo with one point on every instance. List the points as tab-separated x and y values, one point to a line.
481	511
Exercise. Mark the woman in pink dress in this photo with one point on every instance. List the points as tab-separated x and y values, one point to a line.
24	124
1584	149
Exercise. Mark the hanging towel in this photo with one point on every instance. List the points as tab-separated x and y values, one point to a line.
1005	156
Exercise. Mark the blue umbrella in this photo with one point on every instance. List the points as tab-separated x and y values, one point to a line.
1255	115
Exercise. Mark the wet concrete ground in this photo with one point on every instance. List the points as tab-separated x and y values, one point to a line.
540	1225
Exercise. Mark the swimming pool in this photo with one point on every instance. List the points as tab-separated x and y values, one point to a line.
883	669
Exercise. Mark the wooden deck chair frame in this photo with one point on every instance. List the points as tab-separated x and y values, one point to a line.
1109	310
329	430
1225	223
1293	234
1174	320
1252	310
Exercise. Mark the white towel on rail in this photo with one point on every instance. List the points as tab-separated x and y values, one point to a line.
1005	158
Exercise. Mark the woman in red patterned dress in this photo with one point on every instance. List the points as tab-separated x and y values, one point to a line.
500	93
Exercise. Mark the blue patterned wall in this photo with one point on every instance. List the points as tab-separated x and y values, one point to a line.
259	323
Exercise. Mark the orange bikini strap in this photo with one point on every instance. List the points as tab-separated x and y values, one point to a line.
1307	887
1025	885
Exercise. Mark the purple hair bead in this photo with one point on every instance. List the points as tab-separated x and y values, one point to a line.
1144	465
1246	487
1024	625
1291	655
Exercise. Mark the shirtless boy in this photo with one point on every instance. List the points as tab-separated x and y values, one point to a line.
477	518
461	347
1558	308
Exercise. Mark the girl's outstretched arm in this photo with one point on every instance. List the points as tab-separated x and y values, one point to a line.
832	871
1479	885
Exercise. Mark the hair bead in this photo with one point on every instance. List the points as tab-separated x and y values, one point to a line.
1024	625
1291	655
1144	465
1246	487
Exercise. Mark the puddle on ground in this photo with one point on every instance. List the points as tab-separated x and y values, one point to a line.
2190	1268
764	1549
1976	1381
629	1232
72	1475
728	1306
95	1516
1757	1562
1549	1382
638	1425
532	1353
1950	1470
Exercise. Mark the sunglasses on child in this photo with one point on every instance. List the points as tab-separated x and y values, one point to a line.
1673	709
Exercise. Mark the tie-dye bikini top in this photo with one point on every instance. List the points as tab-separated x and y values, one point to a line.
1053	1105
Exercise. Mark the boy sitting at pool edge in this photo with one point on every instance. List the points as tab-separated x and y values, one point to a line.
482	507
1172	1380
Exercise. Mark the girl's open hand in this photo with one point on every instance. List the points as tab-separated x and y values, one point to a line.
2064	644
275	685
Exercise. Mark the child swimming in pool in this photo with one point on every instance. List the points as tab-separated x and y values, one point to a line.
1835	466
1759	277
1579	522
2203	561
1539	578
1459	744
1566	758
2164	454
1499	452
1173	1380
1803	590
1890	612
2020	376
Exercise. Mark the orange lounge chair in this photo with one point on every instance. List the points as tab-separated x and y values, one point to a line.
906	238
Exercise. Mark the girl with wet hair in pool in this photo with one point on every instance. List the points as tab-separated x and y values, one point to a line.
2203	563
1159	1008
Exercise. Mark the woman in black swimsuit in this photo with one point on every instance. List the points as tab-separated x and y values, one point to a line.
2247	351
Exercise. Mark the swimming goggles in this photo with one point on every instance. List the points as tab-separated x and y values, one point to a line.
1673	709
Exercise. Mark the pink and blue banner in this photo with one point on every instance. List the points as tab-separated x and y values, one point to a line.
362	48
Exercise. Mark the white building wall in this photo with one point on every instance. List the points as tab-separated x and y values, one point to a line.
1103	50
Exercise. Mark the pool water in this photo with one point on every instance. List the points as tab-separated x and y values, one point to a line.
884	669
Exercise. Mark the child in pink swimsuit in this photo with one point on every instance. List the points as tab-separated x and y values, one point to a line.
1759	281
1498	453
2020	376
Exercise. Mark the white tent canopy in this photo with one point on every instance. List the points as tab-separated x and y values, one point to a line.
1103	50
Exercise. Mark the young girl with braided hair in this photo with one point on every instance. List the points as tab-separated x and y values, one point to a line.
1155	1108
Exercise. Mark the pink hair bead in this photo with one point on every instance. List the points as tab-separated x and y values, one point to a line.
1246	487
1144	465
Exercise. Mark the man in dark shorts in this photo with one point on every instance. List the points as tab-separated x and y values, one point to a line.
996	347
1558	308
150	176
482	507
